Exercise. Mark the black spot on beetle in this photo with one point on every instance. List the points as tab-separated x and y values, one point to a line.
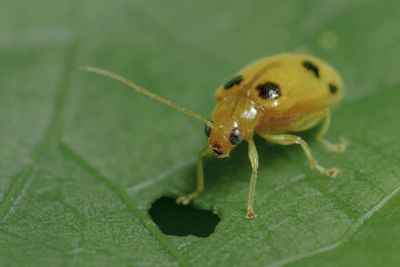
268	90
312	67
332	88
234	81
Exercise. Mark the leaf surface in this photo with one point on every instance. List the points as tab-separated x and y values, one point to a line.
82	158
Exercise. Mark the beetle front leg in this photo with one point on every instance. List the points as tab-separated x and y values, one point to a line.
253	156
199	179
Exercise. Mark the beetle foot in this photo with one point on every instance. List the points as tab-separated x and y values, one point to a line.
337	148
250	213
186	199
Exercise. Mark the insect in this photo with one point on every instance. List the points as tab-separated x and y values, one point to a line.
274	97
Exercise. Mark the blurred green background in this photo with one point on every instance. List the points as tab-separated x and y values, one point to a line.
82	158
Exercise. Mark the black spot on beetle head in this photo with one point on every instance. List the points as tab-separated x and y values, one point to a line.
332	88
312	67
234	81
268	90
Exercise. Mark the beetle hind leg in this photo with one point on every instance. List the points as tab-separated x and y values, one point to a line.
332	147
289	139
335	147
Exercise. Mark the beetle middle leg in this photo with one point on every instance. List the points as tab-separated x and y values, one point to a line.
199	178
340	147
289	139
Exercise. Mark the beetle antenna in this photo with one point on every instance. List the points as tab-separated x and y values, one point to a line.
145	92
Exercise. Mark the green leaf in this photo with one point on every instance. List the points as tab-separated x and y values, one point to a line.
83	158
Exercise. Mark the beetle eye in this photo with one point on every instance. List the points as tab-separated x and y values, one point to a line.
207	130
235	136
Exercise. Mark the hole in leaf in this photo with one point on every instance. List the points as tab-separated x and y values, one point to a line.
182	220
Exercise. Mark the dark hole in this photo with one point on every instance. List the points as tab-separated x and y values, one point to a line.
182	220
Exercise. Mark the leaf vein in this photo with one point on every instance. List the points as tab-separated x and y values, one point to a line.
121	193
21	179
345	238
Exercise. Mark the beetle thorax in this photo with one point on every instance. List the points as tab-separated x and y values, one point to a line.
234	119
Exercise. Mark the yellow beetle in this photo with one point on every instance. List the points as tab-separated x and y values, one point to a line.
273	97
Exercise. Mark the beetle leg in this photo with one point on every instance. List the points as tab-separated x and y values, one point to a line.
289	139
199	178
340	147
253	156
